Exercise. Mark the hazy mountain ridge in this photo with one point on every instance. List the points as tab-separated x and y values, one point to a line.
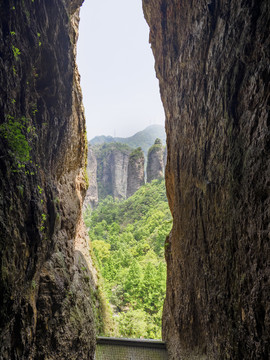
143	139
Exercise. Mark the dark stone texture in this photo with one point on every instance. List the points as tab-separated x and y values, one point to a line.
212	62
45	275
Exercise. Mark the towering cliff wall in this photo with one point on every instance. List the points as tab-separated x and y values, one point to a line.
112	169
46	276
155	161
91	197
212	61
135	175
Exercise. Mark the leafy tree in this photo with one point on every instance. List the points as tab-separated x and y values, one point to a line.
133	283
101	249
133	323
128	242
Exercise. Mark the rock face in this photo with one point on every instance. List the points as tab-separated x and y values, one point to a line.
112	160
91	197
155	161
115	170
46	273
212	61
118	175
135	177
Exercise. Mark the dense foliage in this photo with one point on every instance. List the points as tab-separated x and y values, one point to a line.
128	242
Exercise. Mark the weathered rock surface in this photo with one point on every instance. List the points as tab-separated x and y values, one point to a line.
155	161
116	174
45	278
91	197
112	169
135	177
212	61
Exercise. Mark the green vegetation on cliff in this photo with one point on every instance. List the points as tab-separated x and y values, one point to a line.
136	154
128	241
103	150
18	135
156	147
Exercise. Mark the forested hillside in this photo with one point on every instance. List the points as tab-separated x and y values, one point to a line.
128	241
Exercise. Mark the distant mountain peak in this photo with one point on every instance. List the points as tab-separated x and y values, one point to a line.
144	138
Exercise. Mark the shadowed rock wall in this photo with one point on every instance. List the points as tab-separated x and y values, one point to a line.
46	273
212	61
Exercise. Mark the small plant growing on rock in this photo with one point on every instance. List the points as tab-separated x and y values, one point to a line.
13	131
33	284
16	52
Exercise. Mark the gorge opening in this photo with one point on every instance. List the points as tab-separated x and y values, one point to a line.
126	210
212	61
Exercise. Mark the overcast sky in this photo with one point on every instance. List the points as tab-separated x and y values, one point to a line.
120	89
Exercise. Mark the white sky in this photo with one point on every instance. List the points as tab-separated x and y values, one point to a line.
120	89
